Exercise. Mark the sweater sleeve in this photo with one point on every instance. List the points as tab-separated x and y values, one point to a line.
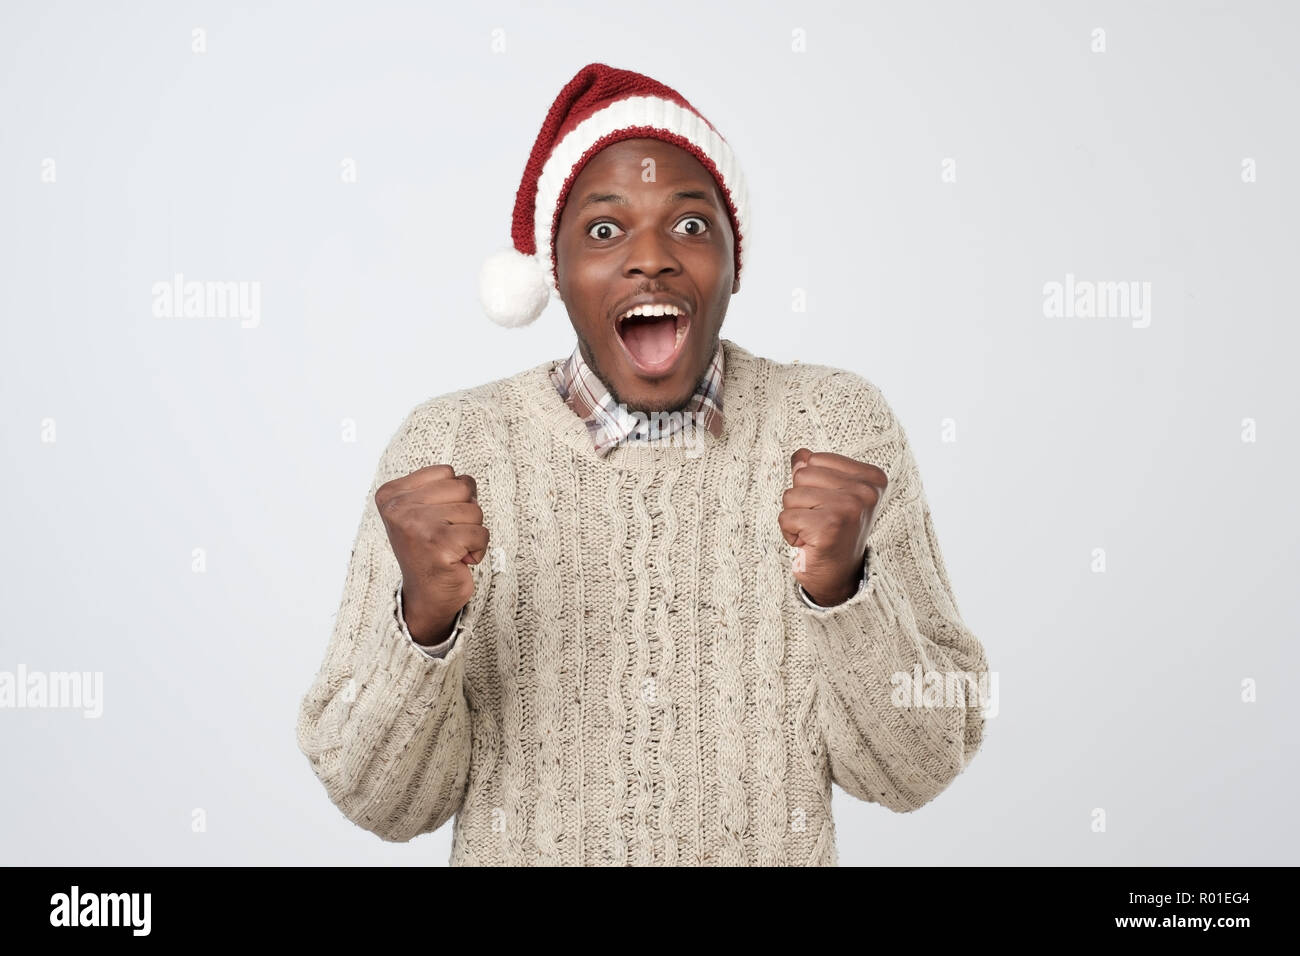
901	677
384	725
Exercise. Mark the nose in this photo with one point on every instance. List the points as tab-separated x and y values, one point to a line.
650	255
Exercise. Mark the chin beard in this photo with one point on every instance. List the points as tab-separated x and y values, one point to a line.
675	405
665	409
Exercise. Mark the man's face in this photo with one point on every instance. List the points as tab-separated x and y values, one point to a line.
667	241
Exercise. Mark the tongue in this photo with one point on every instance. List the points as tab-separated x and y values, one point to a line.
651	340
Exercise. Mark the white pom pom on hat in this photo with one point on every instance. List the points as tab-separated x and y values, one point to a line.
513	288
600	106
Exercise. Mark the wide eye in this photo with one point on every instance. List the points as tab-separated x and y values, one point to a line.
602	225
698	230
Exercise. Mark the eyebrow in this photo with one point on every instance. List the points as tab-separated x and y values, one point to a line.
621	200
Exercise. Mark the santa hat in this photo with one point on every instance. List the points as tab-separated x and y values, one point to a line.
598	107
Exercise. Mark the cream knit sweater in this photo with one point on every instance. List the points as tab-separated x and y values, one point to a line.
637	681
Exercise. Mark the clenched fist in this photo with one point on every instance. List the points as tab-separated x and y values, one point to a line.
435	527
828	512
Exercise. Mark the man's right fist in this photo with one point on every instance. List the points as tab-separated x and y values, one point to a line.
435	527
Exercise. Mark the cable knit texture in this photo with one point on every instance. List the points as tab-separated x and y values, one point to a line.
637	680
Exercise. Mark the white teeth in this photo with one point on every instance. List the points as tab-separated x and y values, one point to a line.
652	310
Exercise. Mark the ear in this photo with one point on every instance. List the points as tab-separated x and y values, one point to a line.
735	286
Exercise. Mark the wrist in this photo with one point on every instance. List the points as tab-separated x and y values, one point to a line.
836	595
427	626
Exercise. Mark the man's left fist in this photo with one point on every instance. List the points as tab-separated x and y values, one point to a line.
828	513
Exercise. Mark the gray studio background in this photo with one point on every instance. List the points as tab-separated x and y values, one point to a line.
1119	690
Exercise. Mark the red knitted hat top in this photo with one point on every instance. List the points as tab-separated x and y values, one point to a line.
600	106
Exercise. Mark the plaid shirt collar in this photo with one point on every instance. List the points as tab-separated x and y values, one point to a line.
609	425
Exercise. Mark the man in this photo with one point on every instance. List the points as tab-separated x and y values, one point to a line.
645	605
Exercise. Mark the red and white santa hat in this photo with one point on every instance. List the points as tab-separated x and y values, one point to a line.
598	107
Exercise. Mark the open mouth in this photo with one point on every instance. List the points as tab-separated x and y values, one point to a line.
653	336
